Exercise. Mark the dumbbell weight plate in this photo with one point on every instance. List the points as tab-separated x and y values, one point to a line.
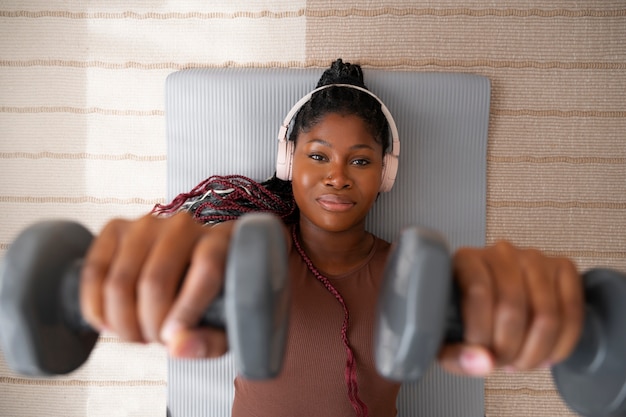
595	385
413	306
257	295
35	338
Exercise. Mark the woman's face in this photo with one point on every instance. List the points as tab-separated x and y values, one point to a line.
337	171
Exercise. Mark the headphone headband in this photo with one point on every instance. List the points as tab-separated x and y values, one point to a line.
285	154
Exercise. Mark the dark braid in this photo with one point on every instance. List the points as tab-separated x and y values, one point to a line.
345	101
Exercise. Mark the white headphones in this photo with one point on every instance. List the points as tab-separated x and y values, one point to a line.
284	159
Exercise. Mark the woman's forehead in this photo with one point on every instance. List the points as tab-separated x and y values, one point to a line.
335	127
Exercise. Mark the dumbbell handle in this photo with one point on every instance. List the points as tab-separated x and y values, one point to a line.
70	286
454	327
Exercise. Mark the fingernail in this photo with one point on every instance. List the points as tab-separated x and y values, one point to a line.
476	363
168	330
193	348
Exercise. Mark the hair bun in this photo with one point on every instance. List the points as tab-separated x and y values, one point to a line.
342	73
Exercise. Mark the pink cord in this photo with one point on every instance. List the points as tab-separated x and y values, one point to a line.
351	379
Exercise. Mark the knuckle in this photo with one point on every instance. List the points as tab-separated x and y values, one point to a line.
567	267
479	291
144	223
504	246
180	219
530	257
156	295
512	315
92	270
118	285
141	227
114	226
152	285
547	323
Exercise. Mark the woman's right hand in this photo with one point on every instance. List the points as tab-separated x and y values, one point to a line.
151	279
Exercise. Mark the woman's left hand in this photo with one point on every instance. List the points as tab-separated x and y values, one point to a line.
521	310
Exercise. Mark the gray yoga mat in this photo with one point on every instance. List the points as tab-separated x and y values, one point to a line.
225	121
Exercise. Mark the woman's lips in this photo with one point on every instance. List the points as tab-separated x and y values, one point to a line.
333	202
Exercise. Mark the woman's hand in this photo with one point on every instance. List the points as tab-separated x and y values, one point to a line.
521	310
151	279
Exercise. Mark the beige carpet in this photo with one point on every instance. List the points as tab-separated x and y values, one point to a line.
82	133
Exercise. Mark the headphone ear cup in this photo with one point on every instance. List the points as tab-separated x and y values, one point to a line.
390	169
284	159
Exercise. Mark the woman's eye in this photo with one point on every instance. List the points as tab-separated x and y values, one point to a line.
316	157
361	162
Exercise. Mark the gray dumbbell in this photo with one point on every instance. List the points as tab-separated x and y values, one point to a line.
419	310
41	329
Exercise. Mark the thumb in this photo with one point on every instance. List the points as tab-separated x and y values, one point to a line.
469	360
205	342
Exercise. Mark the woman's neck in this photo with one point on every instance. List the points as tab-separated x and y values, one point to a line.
335	253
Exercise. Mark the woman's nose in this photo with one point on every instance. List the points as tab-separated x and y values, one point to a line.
338	177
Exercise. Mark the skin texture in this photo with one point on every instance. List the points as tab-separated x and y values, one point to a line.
521	309
131	274
337	172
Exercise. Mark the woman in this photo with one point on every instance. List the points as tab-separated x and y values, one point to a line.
149	280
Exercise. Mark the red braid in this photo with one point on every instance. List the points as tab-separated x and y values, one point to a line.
351	379
222	198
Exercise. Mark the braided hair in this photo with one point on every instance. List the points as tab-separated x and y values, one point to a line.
221	198
344	101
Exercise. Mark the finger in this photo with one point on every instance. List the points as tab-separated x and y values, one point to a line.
198	343
163	271
94	272
510	318
120	304
468	360
570	289
477	296
545	320
202	284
